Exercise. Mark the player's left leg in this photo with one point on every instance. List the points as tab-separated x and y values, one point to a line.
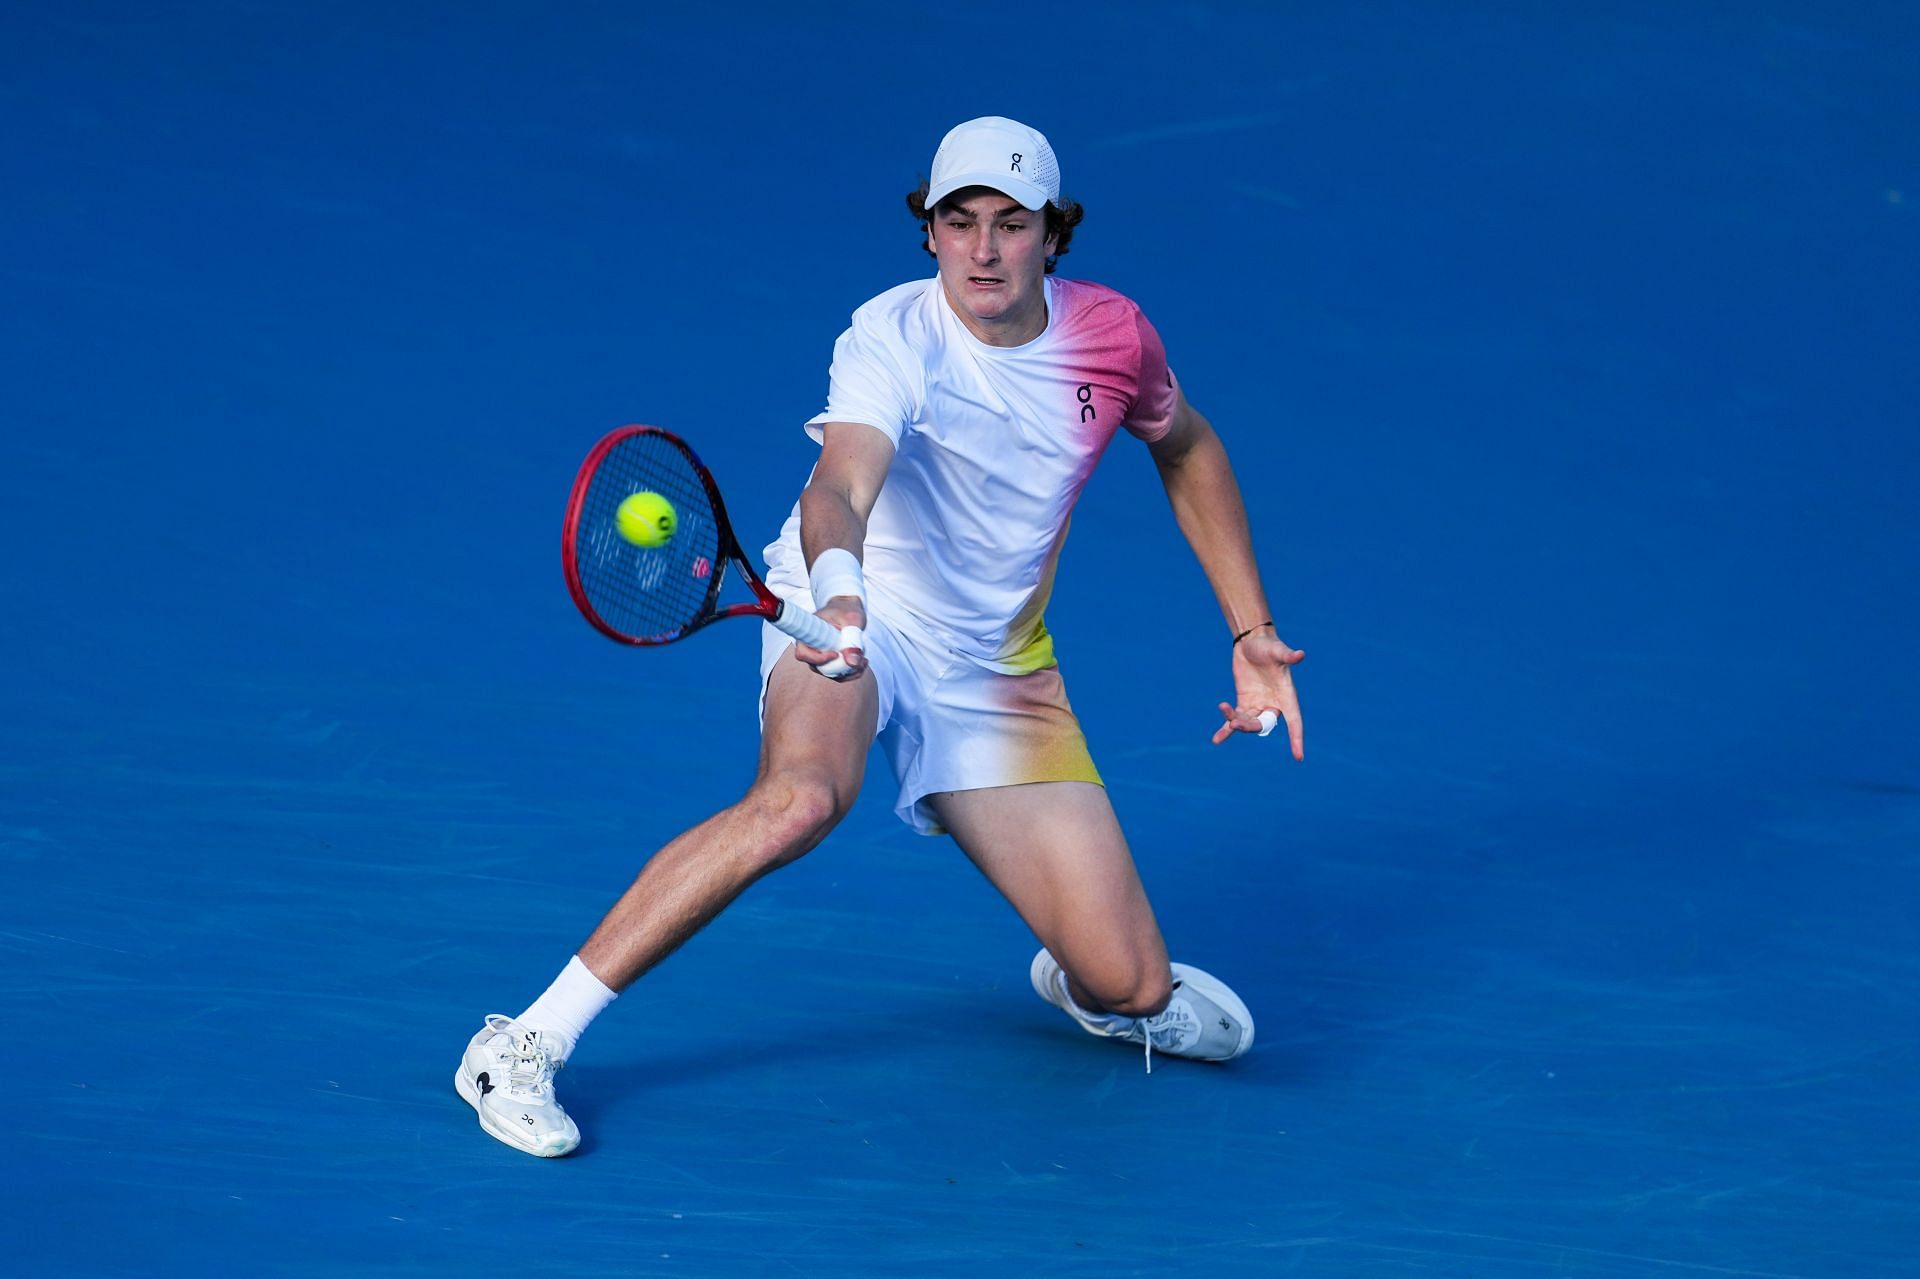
1056	852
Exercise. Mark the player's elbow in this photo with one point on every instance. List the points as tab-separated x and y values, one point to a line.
1191	436
829	507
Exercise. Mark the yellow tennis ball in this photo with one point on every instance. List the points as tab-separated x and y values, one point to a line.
646	519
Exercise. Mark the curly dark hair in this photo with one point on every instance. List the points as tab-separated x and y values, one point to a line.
1062	218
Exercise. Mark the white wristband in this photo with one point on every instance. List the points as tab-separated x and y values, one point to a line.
836	572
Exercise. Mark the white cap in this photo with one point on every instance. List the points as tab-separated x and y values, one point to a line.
996	152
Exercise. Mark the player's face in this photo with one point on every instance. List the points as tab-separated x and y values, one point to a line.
993	262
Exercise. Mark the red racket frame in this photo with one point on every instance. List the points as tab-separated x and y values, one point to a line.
767	605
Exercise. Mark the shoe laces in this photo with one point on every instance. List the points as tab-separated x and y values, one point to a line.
1171	1027
529	1065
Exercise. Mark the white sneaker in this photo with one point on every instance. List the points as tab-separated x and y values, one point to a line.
1204	1020
506	1075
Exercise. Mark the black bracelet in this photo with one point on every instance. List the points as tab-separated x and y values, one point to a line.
1250	630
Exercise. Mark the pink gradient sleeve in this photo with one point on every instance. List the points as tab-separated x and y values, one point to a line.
1156	392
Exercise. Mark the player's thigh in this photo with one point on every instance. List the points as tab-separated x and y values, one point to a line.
815	732
1056	852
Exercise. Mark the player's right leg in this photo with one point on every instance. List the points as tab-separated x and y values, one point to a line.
813	753
812	756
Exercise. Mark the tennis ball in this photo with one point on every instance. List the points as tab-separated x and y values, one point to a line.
646	519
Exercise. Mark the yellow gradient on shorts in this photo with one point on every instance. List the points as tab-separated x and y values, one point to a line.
1035	655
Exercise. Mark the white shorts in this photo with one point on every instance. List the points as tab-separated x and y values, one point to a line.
948	724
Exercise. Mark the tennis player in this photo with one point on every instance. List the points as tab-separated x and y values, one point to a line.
964	415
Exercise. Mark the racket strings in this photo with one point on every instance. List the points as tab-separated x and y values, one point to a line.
647	592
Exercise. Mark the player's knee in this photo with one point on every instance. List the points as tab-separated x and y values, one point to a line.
795	813
1138	992
1145	1002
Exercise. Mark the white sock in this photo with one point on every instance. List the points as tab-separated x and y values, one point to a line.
568	1006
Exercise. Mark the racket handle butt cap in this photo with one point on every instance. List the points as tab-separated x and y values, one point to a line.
849	637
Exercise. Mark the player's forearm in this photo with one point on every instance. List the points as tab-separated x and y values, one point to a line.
1207	504
828	519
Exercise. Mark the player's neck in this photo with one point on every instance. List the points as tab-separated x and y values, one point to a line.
1016	328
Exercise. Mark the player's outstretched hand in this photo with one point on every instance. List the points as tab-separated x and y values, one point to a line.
1263	681
841	611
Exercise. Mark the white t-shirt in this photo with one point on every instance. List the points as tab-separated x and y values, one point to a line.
992	446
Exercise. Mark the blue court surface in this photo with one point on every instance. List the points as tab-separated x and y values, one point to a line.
1567	354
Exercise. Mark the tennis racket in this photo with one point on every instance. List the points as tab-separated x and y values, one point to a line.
655	594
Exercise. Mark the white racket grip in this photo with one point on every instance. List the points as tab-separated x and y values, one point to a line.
809	628
1267	720
816	632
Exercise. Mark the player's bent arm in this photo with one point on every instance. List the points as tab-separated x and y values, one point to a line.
1206	501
